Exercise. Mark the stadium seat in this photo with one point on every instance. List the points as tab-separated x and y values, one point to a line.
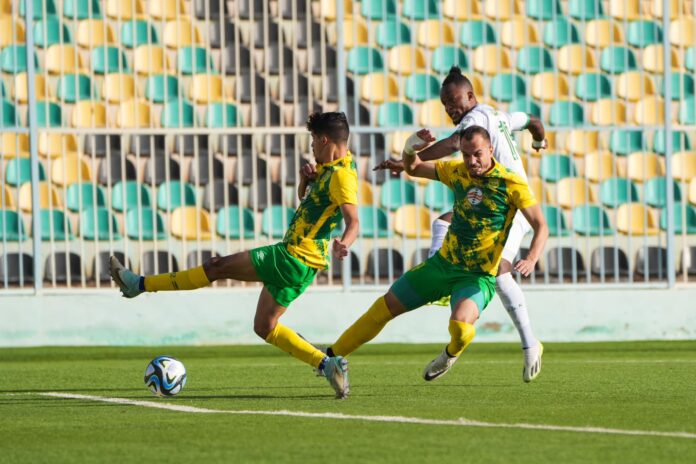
394	114
12	227
585	10
173	194
220	115
687	111
690	59
368	144
396	193
261	196
118	9
373	222
626	141
378	10
446	56
391	33
13	59
649	111
507	87
115	169
248	170
194	60
7	200
641	166
14	145
18	171
21	87
94	33
117	88
608	262
550	87
191	223
517	32
534	59
566	113
378	88
628	10
634	85
88	114
412	221
418	10
137	32
635	219
580	142
616	191
48	197
601	33
554	167
682	86
434	33
48	32
48	114
684	216
155	262
543	9
147	145
354	33
600	166
475	32
682	31
656	192
364	60
564	263
366	196
560	32
433	114
421	87
687	265
653	59
255	9
40	7
82	9
591	220
323	62
608	112
81	195
11	31
20	269
651	262
8	114
536	185
234	223
181	33
501	11
133	114
150	59
98	224
107	59
144	223
302	36
205	168
62	267
129	194
250	87
161	88
71	88
592	86
405	60
491	59
166	9
101	265
279	60
72	168
555	220
643	32
680	142
275	220
177	113
573	191
384	263
206	88
618	59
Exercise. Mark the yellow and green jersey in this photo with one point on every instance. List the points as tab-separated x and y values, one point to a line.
307	238
483	211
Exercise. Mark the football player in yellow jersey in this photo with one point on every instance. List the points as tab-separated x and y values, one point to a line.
327	191
487	197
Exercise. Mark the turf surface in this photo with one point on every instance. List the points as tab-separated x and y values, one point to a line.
636	386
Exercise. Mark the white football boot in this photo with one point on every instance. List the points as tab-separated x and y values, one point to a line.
439	366
532	362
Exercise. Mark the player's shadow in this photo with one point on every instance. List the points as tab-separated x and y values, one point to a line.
255	397
70	390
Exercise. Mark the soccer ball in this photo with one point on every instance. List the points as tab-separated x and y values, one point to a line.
165	376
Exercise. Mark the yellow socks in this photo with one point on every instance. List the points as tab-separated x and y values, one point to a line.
462	334
364	329
189	279
287	340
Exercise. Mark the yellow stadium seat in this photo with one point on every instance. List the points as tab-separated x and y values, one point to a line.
328	9
405	60
684	165
150	59
88	113
625	9
692	191
398	140
94	33
48	197
354	33
653	59
181	33
7	37
21	87
166	9
433	33
56	145
644	166
607	112
477	83
491	59
579	142
518	32
191	223
7	200
124	9
604	32
63	59
634	85
573	191
599	166
117	87
462	10
682	32
365	194
650	110
70	169
502	10
676	8
13	145
636	219
206	88
412	221
379	87
536	185
433	114
576	59
550	86
134	113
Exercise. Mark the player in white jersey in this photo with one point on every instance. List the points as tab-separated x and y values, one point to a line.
457	95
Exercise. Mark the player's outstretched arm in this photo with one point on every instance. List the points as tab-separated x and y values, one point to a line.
413	165
440	149
536	219
536	128
350	216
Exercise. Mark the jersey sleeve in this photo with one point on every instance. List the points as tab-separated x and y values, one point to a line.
521	195
445	171
516	121
344	187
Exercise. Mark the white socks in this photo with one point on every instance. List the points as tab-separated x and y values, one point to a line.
440	228
513	299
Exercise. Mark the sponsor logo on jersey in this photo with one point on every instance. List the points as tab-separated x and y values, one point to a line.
474	195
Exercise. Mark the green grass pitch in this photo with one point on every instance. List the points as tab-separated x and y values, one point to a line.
596	387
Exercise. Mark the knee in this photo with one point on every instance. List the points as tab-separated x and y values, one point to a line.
263	328
446	217
504	267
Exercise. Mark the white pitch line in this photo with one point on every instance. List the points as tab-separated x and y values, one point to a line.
462	422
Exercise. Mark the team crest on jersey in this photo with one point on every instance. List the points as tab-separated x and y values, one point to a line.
474	195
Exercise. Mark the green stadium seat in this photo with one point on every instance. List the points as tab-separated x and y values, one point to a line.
145	224
219	115
534	59
560	32
592	87
174	193
234	222
364	60
8	114
41	8
526	105
684	218
543	9
55	226
643	32
50	31
690	59
555	220
396	193
656	192
420	9
14	59
98	224
195	60
617	59
616	191
473	34
11	227
394	114
82	9
161	88
446	56
275	220
680	142
373	222
554	167
378	10
107	59
585	10
591	220
138	32
177	113
81	195
3	90
48	114
507	87
392	33
566	113
72	88
129	194
683	86
438	196
623	142
421	87
18	171
687	111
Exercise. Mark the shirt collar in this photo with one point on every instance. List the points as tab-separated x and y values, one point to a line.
344	161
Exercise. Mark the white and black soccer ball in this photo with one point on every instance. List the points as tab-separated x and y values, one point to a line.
165	376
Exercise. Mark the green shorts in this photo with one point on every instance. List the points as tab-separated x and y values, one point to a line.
436	278
282	274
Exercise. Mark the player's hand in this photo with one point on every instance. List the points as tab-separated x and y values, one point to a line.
525	266
426	136
308	172
395	166
340	249
540	145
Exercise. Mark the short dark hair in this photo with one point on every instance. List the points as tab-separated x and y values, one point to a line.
456	77
333	125
468	133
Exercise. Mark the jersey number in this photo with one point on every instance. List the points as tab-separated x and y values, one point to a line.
502	127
